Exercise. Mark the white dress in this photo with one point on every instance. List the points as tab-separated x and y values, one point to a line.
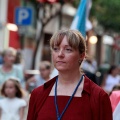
10	108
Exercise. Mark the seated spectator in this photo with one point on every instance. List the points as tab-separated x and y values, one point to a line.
39	79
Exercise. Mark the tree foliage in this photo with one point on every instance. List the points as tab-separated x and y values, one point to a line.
107	12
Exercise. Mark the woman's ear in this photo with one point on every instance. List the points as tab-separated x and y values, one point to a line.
82	56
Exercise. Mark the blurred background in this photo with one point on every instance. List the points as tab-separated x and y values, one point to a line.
27	26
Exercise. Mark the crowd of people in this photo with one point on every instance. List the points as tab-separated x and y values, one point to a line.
15	88
68	54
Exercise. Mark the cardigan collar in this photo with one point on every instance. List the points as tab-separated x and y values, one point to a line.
86	87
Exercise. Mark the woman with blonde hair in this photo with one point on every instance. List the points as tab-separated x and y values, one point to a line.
8	69
70	95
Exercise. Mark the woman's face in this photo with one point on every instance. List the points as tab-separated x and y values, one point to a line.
65	57
9	58
44	72
115	71
10	89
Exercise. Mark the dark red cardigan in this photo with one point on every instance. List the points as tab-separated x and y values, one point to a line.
99	100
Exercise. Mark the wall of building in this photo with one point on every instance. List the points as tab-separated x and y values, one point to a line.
3	20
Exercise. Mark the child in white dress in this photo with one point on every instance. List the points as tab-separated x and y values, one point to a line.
12	106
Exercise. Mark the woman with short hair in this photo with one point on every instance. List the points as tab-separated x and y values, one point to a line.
39	79
8	69
70	95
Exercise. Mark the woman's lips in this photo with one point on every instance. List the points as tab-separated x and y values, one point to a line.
60	62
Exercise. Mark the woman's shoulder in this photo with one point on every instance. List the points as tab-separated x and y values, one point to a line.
20	101
4	101
45	87
37	90
39	94
16	67
94	89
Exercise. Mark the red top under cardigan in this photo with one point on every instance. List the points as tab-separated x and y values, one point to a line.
73	112
93	99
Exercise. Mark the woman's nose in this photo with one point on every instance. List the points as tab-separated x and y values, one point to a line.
61	53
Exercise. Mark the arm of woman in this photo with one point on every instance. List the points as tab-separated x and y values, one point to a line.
105	107
21	113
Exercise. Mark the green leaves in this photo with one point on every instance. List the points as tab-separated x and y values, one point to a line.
107	13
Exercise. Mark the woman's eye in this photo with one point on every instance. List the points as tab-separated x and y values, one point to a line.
55	48
68	49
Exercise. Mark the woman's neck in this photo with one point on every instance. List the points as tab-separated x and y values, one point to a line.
67	82
11	96
113	75
69	77
7	67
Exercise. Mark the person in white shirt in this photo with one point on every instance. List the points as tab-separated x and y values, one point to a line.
112	79
12	105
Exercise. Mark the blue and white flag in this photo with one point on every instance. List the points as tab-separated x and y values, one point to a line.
81	21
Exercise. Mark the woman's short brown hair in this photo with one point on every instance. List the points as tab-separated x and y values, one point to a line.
74	38
17	86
